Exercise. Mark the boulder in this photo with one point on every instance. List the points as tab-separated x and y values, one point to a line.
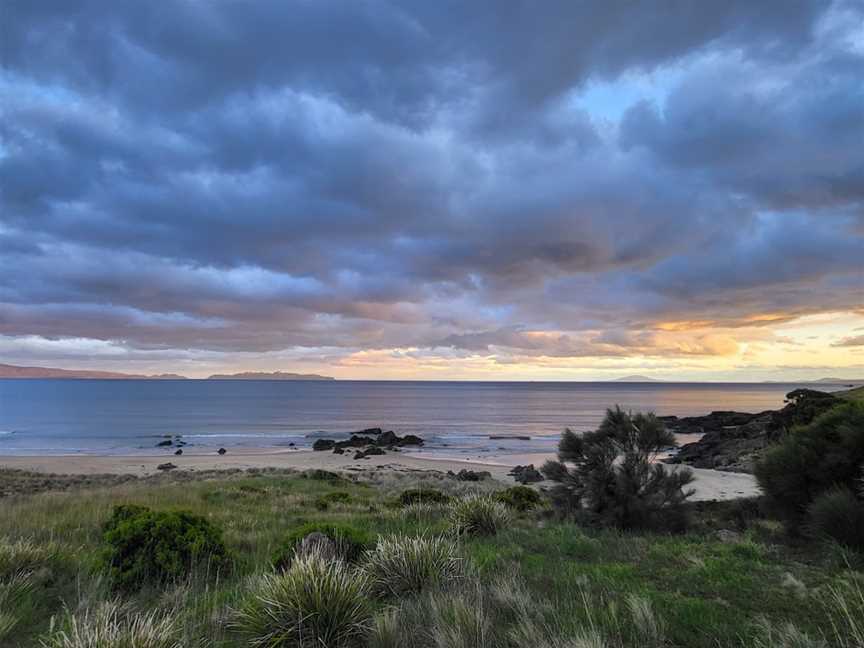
166	442
221	451
338	451
410	440
472	476
178	452
166	466
370	431
317	542
374	450
526	474
324	444
389	438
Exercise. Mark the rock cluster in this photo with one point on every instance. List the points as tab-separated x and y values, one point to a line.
734	441
470	475
526	474
369	442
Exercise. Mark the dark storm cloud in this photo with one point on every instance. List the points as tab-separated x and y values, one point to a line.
367	175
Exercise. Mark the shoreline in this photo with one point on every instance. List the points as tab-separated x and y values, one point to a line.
708	484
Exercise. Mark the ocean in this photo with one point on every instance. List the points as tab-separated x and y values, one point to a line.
58	417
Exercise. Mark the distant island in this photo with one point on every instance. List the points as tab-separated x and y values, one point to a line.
13	371
264	375
636	378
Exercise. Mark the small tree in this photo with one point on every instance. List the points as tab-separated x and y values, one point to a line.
609	476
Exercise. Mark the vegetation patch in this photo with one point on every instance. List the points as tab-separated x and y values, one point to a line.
521	498
423	496
315	602
402	565
478	515
144	546
350	541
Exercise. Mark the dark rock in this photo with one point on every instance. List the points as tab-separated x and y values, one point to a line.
526	474
166	466
734	441
324	444
178	452
167	442
291	445
512	437
389	438
472	476
411	440
373	450
338	451
359	455
221	451
370	431
356	442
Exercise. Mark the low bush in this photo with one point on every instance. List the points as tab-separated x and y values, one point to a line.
479	515
160	547
521	498
323	502
423	496
350	541
110	626
838	514
401	565
812	459
315	603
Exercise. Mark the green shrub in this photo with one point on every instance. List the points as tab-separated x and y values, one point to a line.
813	459
323	502
608	477
314	603
350	541
401	565
479	515
423	496
838	514
109	626
521	498
160	547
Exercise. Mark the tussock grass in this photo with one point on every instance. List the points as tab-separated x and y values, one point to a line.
315	602
478	515
401	565
112	626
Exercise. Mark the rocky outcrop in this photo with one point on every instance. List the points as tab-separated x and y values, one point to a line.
369	438
526	474
734	441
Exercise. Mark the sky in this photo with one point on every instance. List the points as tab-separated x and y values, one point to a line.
563	190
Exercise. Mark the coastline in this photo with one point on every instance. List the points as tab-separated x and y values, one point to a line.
708	484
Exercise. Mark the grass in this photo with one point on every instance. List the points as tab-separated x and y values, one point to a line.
855	394
565	586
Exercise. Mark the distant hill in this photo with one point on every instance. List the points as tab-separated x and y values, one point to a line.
636	379
264	375
12	371
841	381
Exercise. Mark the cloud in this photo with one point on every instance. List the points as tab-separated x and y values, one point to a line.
851	341
201	177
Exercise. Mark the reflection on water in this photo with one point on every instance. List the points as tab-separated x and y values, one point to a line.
120	416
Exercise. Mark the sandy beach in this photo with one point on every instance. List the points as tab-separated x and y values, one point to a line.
709	484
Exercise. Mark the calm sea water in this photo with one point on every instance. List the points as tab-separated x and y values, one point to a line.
117	417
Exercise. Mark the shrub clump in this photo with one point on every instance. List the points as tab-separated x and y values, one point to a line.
323	502
838	514
478	515
521	498
160	547
350	541
110	626
316	603
401	565
423	496
812	459
609	477
25	556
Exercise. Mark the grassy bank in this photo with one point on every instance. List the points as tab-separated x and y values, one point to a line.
733	580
